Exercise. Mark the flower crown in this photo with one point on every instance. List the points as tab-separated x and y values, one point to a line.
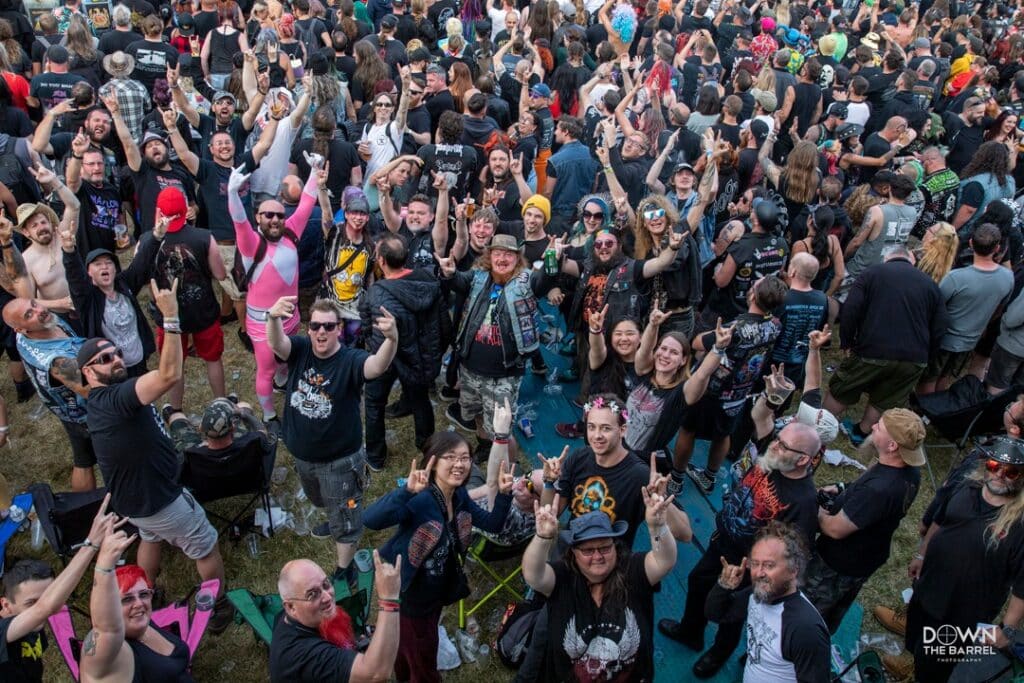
599	402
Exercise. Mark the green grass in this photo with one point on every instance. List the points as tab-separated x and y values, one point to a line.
38	451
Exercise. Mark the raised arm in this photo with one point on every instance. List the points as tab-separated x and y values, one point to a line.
302	106
403	102
49	180
644	360
131	150
537	573
379	659
620	110
15	277
771	171
262	146
41	137
377	364
73	169
663	260
659	163
249	78
104	651
277	340
186	155
156	383
180	101
439	233
812	368
300	219
662	556
598	350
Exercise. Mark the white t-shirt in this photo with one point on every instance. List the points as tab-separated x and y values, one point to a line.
274	167
382	150
497	17
857	112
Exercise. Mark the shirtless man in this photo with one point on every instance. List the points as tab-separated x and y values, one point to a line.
43	258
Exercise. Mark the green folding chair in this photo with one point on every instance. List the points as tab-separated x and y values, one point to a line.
482	550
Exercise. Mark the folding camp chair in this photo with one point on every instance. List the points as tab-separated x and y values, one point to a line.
172	618
236	472
9	527
482	550
66	517
260	611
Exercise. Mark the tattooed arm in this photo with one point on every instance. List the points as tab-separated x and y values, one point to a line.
65	371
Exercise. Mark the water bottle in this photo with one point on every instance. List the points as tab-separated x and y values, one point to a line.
483	651
466	645
473	631
16	514
252	542
204	600
37	535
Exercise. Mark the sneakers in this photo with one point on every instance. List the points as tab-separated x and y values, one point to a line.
375	467
892	620
448	394
454	414
673	489
399	408
674	630
701	477
850	429
569	430
900	667
231	317
710	662
349	575
321	530
223	615
166	411
538	366
280	388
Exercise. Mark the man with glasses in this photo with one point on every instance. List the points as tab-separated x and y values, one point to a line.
417	119
858	519
314	640
138	459
321	415
968	562
630	162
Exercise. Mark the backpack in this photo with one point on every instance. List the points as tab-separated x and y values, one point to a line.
308	36
240	275
516	631
13	171
408	144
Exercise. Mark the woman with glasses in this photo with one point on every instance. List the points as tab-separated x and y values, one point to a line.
383	134
435	517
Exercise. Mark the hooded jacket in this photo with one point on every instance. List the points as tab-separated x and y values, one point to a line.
415	301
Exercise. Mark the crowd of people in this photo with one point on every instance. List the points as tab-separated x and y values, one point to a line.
697	193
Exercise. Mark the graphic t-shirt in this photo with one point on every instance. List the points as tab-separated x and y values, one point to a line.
38	355
348	284
756	255
801	313
614	490
655	415
51	89
101	211
761	497
752	339
484	356
607	643
323	402
22	660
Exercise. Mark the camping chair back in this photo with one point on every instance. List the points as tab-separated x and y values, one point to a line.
483	550
65	517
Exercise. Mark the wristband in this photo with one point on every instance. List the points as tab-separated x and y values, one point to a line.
501	436
7	245
717	351
597	331
918	556
500	442
77	156
173	328
388	605
545	538
5	429
104	570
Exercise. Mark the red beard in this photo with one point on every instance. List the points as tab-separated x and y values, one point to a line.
338	630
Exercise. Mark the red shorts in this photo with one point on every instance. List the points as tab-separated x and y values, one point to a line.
209	343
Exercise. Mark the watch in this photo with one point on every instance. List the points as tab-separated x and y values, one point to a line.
1009	631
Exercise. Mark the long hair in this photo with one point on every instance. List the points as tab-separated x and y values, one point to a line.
14	51
483	262
459	85
644	241
996	127
540	21
683	373
819	245
324	90
801	172
613	370
653	124
566	81
370	68
439	443
615	594
938	255
708	102
324	127
991	157
1009	515
79	39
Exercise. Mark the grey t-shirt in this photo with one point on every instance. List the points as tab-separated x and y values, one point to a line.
971	297
119	326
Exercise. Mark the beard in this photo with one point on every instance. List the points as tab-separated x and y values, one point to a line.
156	165
502	278
769	463
338	630
115	376
1002	487
764	591
867	451
604	267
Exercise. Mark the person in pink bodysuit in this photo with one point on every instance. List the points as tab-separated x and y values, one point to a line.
277	273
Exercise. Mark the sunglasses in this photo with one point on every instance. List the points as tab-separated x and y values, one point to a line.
651	214
596	215
603	550
602	244
316	327
415	92
272	214
383	105
1009	472
143	595
105	358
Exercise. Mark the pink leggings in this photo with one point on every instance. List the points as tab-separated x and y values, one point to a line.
266	364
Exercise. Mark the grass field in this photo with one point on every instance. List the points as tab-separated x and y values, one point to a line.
38	452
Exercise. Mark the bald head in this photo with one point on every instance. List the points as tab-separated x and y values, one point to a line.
290	191
804	267
802	437
294	573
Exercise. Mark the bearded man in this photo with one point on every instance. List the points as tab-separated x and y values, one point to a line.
314	639
786	637
271	262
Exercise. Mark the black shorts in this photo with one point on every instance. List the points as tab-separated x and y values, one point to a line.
709	420
82	453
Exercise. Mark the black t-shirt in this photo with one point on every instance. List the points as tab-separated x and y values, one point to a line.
440	12
616	490
874	146
459	159
626	650
323	400
963	141
761	497
876	502
141	482
752	339
436	105
420	247
101	211
151	61
150	181
484	355
298	654
113	41
314	27
184	255
343	158
756	255
965	580
213	197
22	660
655	415
206	22
418	120
208	126
52	89
801	313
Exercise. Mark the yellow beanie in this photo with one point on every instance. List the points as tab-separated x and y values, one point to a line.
541	203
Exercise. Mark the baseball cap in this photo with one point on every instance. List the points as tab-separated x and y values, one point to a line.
389	21
766	98
216	422
760	130
149	137
838	109
683	166
922	44
907	430
358	203
90	348
823	421
224	95
96	253
540	90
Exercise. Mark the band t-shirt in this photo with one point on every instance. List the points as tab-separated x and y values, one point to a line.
299	653
119	423
761	497
323	403
615	490
22	660
625	651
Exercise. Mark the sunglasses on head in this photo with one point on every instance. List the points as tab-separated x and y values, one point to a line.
105	357
272	214
651	214
596	215
1009	472
316	326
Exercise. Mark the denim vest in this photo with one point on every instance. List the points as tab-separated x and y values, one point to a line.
38	355
576	170
993	191
520	311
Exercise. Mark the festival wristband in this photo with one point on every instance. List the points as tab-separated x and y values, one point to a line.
104	570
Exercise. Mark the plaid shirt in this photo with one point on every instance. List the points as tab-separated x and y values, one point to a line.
132	99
